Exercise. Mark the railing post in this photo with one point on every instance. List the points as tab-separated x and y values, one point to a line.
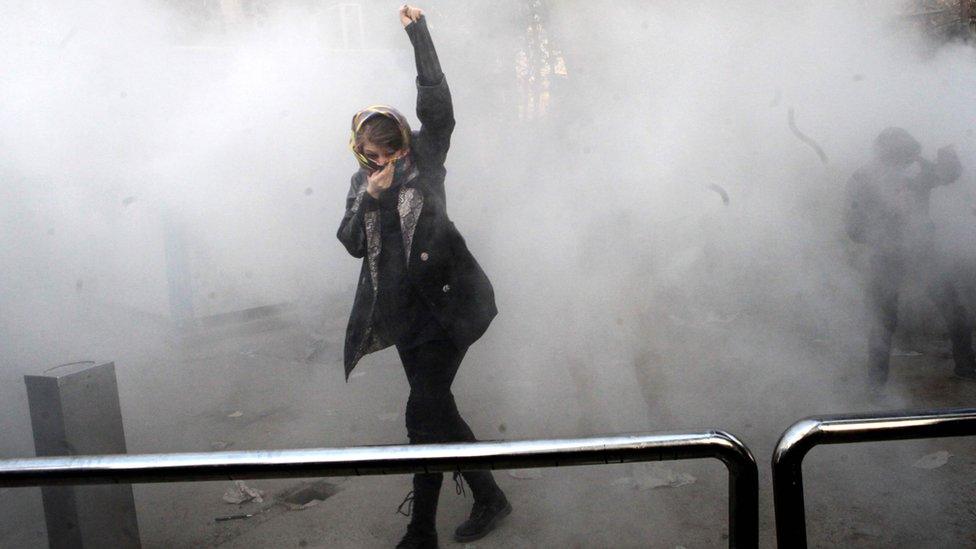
793	445
74	410
743	492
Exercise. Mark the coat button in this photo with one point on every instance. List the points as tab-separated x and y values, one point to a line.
424	256
446	288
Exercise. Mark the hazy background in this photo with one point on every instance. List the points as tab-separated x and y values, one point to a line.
630	296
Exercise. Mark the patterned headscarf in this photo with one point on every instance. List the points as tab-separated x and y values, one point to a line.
365	114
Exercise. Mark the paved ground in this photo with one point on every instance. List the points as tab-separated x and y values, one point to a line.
252	389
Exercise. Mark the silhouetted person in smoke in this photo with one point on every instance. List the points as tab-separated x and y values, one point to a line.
419	288
888	211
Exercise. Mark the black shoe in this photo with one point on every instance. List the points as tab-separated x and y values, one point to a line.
484	518
417	538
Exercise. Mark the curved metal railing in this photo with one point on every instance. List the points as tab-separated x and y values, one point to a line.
803	435
383	460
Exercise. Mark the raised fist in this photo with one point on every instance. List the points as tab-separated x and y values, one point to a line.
409	14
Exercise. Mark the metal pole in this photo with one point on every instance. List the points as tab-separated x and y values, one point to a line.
384	460
803	435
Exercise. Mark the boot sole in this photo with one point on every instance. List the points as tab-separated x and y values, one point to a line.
507	510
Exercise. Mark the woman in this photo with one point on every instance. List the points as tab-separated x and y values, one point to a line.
420	288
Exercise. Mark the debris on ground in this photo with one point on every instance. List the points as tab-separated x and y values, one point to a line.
306	505
653	478
933	460
234	517
243	516
307	494
904	352
220	445
525	474
237	413
242	493
128	200
671	480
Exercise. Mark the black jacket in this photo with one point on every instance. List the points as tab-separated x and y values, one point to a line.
888	207
445	274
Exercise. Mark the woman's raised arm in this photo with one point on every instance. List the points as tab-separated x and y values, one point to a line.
434	107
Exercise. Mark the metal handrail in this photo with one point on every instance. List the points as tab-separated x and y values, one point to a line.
384	460
803	435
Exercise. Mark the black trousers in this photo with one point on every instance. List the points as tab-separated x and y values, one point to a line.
887	277
432	416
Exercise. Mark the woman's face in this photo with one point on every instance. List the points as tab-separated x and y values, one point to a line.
379	155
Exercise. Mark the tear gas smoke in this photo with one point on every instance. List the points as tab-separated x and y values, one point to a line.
665	244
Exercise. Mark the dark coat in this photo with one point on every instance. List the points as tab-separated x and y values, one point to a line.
448	279
888	207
